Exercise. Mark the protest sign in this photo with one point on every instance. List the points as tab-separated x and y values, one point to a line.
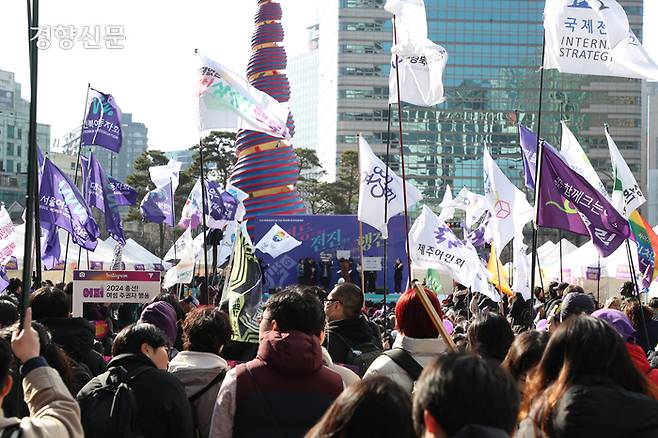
113	287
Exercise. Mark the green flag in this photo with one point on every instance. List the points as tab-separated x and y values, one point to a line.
433	281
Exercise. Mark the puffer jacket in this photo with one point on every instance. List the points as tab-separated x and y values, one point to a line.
424	351
596	407
198	372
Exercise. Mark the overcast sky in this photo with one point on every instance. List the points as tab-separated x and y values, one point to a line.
153	76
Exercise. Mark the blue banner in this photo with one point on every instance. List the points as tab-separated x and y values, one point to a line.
329	236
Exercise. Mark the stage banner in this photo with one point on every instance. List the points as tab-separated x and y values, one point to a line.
337	236
113	287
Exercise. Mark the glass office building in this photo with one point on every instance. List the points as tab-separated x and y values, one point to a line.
491	82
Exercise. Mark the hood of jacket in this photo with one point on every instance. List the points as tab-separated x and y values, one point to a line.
290	353
196	370
75	335
595	409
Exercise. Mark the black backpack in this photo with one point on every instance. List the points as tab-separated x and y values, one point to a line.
193	399
111	409
405	361
360	356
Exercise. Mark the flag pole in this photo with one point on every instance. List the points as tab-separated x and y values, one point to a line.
631	265
363	282
31	196
388	158
203	216
404	180
501	305
37	221
173	213
559	231
75	181
537	177
598	281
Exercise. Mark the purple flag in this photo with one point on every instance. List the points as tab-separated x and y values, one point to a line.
569	202
62	204
215	200
101	195
123	193
528	142
51	251
4	280
230	206
156	206
476	236
102	125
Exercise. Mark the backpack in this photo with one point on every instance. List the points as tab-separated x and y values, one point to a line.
405	361
111	409
360	356
12	431
193	398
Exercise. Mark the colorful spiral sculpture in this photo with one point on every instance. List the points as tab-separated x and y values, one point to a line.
267	167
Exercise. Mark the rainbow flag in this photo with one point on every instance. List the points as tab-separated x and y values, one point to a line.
647	246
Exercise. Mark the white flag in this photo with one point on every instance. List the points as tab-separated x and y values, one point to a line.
277	241
626	193
222	92
177	251
521	267
226	246
183	272
509	209
163	175
474	205
447	207
433	245
593	37
575	157
420	62
7	237
372	188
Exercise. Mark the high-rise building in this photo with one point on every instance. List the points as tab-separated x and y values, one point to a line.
185	156
304	88
14	136
134	143
491	83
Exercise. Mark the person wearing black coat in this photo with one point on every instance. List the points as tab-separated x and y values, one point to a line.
75	335
163	408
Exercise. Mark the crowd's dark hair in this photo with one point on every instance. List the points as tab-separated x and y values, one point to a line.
131	338
581	346
295	309
490	336
351	297
206	330
173	300
574	288
8	312
461	389
49	302
5	359
632	310
14	284
53	353
352	413
653	303
525	352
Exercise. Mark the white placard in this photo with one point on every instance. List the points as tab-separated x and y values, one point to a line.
372	264
343	254
114	287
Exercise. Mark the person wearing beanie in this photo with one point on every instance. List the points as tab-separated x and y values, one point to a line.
622	325
576	303
162	315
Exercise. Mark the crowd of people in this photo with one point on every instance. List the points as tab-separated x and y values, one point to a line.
330	364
